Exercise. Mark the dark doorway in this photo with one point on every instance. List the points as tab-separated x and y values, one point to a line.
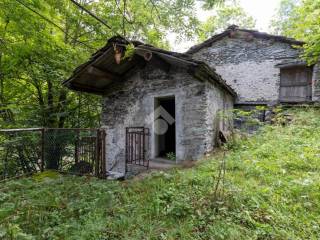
165	127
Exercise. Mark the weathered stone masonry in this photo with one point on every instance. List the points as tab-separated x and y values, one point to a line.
250	66
316	82
132	89
197	104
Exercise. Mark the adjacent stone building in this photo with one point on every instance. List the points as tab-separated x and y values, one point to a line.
168	97
263	69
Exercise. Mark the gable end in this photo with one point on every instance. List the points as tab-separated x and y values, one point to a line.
248	35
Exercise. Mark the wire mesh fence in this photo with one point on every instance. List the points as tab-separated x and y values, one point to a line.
76	151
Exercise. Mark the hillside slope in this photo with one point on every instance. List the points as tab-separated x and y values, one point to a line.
271	190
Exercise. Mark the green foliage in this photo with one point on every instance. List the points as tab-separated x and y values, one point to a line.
300	19
19	154
248	119
55	208
281	22
42	176
209	4
271	191
129	52
171	156
226	14
36	56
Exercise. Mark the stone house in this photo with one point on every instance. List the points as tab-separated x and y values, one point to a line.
155	103
263	69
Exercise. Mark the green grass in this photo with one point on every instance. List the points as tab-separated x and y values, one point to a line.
271	191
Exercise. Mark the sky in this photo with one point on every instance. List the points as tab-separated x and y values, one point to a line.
261	10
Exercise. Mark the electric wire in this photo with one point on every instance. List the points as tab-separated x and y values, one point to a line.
51	22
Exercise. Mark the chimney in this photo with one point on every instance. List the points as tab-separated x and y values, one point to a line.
233	27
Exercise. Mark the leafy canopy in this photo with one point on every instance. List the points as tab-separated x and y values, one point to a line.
225	15
300	20
41	42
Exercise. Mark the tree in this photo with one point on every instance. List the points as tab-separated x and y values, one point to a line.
300	20
36	57
41	42
226	14
281	22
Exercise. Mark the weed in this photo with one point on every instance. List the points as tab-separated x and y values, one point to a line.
171	156
270	190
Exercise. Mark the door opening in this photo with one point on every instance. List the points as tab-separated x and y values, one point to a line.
165	127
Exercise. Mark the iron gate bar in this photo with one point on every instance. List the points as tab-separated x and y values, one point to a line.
136	146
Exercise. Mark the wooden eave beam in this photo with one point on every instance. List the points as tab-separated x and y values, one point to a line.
292	64
85	88
99	72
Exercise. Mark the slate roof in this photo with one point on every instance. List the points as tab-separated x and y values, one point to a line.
101	70
254	33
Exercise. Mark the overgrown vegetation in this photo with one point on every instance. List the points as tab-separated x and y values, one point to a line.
270	191
171	156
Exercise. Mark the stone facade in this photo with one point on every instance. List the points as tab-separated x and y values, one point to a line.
316	82
196	105
250	66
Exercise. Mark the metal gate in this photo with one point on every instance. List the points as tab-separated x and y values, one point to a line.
91	149
137	144
74	150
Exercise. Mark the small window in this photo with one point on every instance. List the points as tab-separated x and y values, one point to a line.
295	84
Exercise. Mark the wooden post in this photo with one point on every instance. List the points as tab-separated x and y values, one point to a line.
104	161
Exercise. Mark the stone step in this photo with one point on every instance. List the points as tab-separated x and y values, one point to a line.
115	175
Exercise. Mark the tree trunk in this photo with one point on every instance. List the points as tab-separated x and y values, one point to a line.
6	114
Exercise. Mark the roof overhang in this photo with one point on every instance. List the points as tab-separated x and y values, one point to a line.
292	64
103	70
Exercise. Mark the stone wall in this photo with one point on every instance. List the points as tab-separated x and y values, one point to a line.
250	66
219	104
132	105
316	82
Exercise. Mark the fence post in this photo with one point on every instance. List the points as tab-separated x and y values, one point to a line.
97	153
5	172
77	146
42	150
127	151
